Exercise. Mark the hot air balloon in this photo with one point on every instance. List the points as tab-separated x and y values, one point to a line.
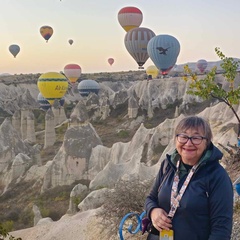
46	32
130	17
111	61
202	65
52	85
44	104
136	41
14	49
85	87
163	51
70	41
72	72
152	70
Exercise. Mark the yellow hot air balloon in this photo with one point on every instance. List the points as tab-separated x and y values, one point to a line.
46	32
152	70
52	85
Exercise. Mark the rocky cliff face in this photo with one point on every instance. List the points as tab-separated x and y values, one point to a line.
82	154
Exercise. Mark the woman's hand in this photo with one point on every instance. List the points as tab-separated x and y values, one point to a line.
160	219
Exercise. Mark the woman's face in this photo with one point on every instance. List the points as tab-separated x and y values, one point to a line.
189	152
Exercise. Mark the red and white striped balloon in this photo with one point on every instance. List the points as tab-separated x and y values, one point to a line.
72	72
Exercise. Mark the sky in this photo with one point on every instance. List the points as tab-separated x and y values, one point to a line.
199	26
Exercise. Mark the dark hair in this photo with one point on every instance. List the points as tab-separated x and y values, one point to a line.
195	122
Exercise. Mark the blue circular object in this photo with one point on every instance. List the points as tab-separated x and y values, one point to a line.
237	187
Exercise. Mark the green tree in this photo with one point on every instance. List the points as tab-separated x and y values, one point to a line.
208	87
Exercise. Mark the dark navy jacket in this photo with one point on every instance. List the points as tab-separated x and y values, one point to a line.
206	208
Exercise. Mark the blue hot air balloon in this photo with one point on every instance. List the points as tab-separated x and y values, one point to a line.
44	104
85	87
163	50
14	49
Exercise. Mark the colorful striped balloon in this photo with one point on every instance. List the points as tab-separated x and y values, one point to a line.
136	41
44	104
85	87
202	65
130	17
72	72
46	32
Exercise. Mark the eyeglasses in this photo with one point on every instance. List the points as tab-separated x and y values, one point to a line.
196	140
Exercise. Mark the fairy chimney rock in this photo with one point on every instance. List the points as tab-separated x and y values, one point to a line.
104	107
31	136
92	101
50	135
119	98
16	121
132	107
71	162
24	115
79	114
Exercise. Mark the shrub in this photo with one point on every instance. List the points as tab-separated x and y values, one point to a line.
26	217
44	212
129	196
4	233
123	134
8	225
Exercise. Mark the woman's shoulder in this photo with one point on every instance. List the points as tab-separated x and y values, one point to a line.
216	171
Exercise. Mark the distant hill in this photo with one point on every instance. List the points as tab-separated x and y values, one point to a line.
5	74
193	65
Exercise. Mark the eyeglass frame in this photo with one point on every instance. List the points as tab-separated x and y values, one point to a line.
190	138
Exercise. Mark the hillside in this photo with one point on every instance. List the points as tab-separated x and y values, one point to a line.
124	140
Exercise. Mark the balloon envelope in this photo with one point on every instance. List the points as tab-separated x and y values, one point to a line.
136	41
70	41
52	85
14	49
46	32
130	17
111	61
202	65
44	104
152	70
85	87
72	72
163	51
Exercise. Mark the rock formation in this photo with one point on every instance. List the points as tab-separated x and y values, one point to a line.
31	136
37	215
50	135
82	154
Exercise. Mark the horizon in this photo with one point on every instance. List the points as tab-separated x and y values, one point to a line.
209	66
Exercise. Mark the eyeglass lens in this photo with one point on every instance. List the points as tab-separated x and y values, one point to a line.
194	139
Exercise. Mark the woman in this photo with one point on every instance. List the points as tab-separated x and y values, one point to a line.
192	194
